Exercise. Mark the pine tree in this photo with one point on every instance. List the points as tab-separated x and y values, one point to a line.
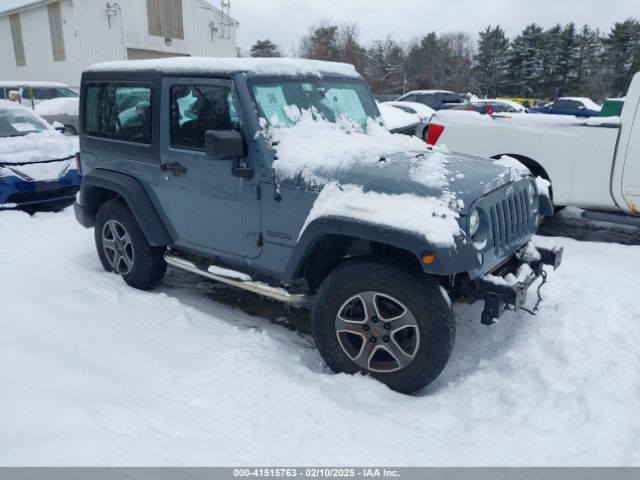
622	48
265	48
526	62
491	61
322	43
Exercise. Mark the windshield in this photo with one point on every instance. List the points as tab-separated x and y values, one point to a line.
15	122
278	100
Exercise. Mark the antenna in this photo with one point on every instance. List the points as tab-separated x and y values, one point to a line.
225	23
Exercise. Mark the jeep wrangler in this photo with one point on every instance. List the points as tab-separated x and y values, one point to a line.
276	176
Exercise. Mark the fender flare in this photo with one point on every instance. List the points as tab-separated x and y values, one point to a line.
449	260
92	195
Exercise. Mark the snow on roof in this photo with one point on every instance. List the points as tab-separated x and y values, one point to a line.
269	66
461	117
590	104
27	83
428	91
7	105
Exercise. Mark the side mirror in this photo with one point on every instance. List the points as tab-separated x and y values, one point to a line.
58	126
582	107
228	145
223	144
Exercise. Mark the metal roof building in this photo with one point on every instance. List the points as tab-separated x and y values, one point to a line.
54	40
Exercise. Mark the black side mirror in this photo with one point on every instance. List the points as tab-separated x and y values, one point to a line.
223	144
228	145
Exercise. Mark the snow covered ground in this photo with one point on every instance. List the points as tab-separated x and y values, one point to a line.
95	373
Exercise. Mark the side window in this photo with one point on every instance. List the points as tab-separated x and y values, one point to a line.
198	108
561	104
574	105
428	99
119	111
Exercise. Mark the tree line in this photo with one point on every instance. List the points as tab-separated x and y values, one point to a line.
563	60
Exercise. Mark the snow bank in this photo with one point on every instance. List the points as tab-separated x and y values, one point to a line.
266	66
58	106
96	373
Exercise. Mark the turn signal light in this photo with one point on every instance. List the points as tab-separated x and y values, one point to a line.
428	259
78	165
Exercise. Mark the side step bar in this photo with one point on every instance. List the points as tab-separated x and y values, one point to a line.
259	288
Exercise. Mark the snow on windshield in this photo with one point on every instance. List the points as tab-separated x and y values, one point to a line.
319	149
19	121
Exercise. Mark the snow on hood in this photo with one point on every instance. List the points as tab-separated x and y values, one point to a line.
395	118
58	106
29	150
376	176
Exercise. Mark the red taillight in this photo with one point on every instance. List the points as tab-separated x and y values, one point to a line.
433	133
489	110
78	164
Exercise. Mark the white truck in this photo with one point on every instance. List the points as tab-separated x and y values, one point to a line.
591	163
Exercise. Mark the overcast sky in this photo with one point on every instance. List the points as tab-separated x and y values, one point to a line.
284	21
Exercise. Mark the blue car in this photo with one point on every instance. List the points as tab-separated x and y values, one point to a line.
37	162
578	106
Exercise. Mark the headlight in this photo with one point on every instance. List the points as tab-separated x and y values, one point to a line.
531	191
474	222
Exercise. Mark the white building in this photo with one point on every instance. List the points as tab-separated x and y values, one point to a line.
54	40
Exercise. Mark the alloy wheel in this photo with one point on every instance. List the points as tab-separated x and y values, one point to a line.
117	247
377	331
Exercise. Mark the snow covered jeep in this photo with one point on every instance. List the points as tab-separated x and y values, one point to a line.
278	176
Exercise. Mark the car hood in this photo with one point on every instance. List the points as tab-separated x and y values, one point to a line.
35	156
462	178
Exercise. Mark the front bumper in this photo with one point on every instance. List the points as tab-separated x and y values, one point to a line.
506	287
16	192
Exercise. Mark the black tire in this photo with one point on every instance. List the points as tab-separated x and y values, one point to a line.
419	293
145	266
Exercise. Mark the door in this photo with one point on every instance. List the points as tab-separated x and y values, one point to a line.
631	169
207	207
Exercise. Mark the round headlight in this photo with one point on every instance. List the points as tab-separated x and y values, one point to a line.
474	222
531	192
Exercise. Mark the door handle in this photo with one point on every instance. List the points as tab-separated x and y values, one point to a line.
174	167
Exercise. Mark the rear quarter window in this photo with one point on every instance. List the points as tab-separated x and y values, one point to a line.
119	111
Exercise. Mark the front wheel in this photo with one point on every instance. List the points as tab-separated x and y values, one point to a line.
123	248
382	320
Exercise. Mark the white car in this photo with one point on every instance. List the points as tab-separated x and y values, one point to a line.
423	111
592	163
35	92
63	110
37	163
399	121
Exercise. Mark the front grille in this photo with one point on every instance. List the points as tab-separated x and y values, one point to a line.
510	221
43	196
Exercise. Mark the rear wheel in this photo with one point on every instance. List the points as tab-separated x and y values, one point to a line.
123	248
379	319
